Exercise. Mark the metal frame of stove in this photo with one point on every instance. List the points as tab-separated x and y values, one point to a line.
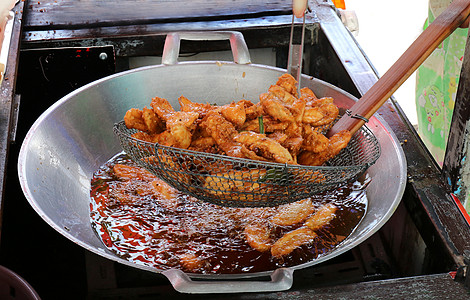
428	199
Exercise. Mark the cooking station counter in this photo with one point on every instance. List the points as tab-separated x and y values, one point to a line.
423	247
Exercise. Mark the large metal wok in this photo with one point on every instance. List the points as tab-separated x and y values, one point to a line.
74	137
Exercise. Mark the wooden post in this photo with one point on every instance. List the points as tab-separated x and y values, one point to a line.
456	167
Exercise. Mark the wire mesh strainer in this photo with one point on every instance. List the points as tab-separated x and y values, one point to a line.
236	182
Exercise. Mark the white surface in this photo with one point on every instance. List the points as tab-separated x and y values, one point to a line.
386	29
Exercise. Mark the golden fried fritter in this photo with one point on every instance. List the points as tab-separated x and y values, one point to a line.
253	111
258	236
288	82
293	213
315	142
307	94
125	172
144	136
222	131
152	121
234	113
270	125
264	146
336	143
291	125
281	94
134	119
188	106
322	217
161	107
320	112
292	240
275	108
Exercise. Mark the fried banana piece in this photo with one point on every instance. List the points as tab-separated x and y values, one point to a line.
312	115
292	240
278	136
234	113
191	262
258	236
188	106
320	112
293	213
163	189
251	154
307	94
224	183
322	217
275	108
222	131
270	125
281	94
288	83
165	138
161	107
166	160
264	146
143	136
315	142
203	144
134	119
293	145
152	121
125	172
181	125
252	111
165	193
298	109
336	143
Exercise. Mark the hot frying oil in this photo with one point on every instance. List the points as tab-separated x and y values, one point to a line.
179	231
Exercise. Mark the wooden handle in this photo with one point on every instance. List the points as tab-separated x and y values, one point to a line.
414	56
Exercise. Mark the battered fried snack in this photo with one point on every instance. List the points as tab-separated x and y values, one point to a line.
336	143
293	213
292	240
291	131
258	236
322	216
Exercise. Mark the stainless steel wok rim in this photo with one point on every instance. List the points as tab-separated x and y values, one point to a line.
109	255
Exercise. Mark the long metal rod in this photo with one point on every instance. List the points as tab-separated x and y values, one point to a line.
294	62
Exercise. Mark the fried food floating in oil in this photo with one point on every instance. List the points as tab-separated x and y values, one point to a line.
322	217
191	262
293	213
258	236
292	240
125	172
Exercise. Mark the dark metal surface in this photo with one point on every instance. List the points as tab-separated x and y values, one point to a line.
430	217
8	99
92	13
